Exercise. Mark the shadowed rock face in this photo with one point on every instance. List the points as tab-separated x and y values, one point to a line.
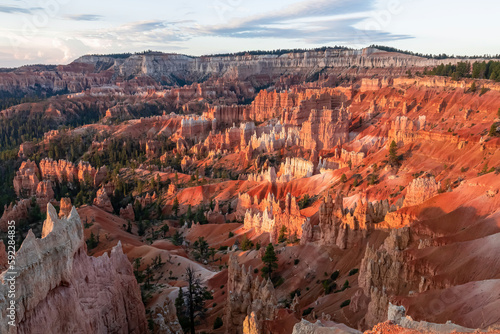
60	289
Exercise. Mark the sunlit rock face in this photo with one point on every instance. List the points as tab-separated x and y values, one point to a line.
60	289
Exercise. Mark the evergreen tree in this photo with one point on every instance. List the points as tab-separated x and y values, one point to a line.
201	249
282	235
393	153
175	206
270	261
190	304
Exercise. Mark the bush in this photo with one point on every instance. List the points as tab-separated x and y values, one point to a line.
296	261
353	271
218	323
335	275
231	234
345	303
343	178
277	281
307	311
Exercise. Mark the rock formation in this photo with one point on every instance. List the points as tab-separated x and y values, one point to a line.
64	171
306	327
102	200
397	315
127	213
165	319
420	190
272	218
26	179
341	227
325	129
248	295
61	289
383	273
65	207
295	168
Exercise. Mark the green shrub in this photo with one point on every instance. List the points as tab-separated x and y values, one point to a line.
218	323
345	303
353	271
307	311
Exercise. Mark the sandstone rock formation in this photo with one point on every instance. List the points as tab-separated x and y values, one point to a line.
383	273
64	171
272	218
165	319
61	289
341	227
65	207
127	213
325	129
26	179
248	295
305	327
397	315
102	200
420	190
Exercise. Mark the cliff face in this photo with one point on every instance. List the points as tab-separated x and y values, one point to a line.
248	296
60	289
159	65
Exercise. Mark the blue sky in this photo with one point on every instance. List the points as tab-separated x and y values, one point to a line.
58	31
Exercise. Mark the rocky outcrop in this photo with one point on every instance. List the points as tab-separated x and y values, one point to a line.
64	207
61	289
383	273
325	129
127	213
342	227
420	190
306	327
404	131
295	168
16	211
197	128
248	295
250	325
397	315
165	319
268	175
272	219
102	200
63	171
26	179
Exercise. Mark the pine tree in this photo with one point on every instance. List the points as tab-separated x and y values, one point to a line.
270	261
190	304
282	235
393	153
175	206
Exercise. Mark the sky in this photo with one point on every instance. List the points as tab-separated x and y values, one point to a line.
59	31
